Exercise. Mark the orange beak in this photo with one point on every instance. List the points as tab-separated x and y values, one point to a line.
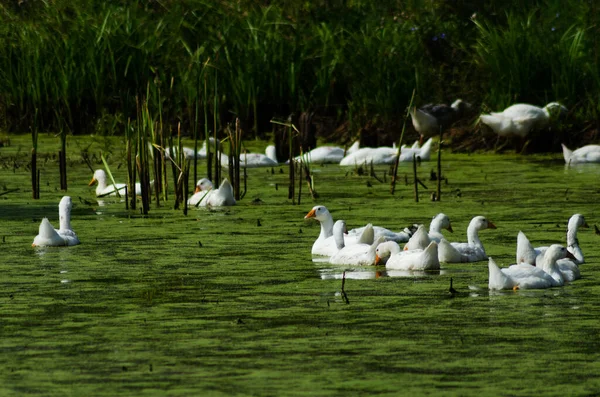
311	214
197	189
377	260
92	182
449	228
33	245
491	225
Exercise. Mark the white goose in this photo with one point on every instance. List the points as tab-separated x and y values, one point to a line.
428	119
104	189
325	244
526	276
253	160
389	253
568	266
65	236
328	154
585	154
472	250
576	221
518	120
386	155
358	254
221	197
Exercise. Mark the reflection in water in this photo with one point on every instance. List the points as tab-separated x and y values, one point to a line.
583	168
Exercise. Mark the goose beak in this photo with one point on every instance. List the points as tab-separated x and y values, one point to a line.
405	248
491	225
570	255
92	182
197	189
377	260
449	228
33	244
311	214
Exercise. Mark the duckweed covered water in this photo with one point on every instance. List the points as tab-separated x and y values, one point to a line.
214	304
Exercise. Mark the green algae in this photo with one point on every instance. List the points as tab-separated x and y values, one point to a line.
214	304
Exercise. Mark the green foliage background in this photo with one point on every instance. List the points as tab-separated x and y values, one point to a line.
81	64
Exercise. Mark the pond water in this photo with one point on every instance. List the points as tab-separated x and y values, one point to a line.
229	302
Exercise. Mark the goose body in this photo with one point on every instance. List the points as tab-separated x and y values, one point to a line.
419	259
388	235
419	240
325	244
472	250
518	120
386	155
252	160
526	276
428	119
64	236
327	154
221	197
585	154
358	254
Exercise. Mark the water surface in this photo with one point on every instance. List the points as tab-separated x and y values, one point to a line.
212	303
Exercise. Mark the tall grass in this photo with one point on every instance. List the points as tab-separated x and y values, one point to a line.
78	63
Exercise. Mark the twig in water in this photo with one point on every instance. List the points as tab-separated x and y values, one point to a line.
344	292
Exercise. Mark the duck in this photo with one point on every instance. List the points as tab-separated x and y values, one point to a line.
358	254
472	250
420	259
48	236
527	276
525	251
104	189
520	119
327	154
585	154
428	119
325	244
386	155
221	197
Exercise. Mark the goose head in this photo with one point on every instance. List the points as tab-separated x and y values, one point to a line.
384	251
576	221
203	185
441	221
556	110
480	223
99	177
318	212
